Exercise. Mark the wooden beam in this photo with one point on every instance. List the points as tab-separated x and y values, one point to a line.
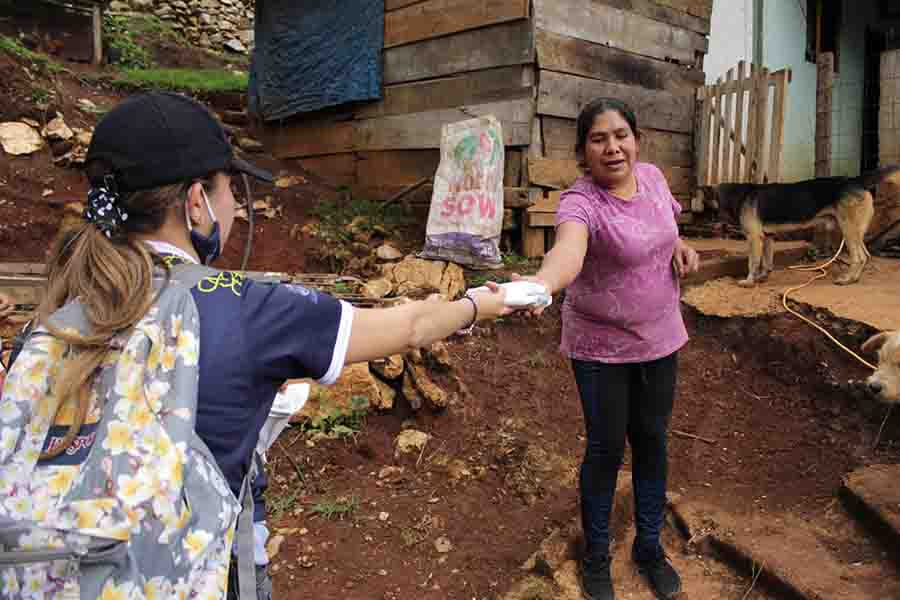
496	46
760	156
561	174
436	18
580	57
779	109
423	130
602	24
390	5
540	219
564	95
736	169
415	131
728	133
533	242
311	138
512	167
396	167
658	147
659	11
339	169
715	159
477	87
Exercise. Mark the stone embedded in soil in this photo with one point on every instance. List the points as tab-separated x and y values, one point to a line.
443	545
411	392
19	138
439	354
434	395
391	472
388	252
416	276
386	397
377	288
391	368
57	129
410	440
355	381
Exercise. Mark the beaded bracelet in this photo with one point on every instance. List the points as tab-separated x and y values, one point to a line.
471	325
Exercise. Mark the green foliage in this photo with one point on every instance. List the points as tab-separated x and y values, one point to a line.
278	504
119	34
11	45
520	263
340	422
183	80
41	95
339	222
336	509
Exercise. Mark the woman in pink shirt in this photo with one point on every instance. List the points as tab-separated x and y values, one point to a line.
619	256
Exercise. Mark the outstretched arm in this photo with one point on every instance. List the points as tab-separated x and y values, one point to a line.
376	333
564	261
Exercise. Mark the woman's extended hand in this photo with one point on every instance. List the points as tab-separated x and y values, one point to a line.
533	311
491	304
685	259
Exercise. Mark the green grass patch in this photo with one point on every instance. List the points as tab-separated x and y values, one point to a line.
12	46
339	222
340	422
335	509
183	80
119	34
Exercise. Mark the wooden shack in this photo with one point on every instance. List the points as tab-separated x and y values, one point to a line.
532	64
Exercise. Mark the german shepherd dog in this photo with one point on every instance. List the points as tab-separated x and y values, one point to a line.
765	208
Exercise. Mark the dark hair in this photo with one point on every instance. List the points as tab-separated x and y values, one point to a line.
589	114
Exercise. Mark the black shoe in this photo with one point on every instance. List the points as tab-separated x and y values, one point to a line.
659	572
596	581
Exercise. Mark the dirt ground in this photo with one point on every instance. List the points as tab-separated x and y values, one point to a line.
460	519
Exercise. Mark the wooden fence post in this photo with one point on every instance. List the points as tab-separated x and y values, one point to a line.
97	32
824	91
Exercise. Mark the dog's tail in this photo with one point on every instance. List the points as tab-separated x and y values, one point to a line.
872	178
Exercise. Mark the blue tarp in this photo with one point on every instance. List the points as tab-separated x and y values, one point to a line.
312	54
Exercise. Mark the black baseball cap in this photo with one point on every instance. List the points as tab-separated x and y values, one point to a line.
160	138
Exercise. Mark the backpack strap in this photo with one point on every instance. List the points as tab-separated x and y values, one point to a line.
246	565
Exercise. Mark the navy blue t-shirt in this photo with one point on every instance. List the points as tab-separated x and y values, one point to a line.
254	336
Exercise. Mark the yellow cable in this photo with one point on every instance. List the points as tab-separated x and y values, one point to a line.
822	273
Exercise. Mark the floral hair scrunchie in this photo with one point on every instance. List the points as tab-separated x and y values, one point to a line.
104	212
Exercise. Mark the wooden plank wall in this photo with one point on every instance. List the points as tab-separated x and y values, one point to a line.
444	61
648	53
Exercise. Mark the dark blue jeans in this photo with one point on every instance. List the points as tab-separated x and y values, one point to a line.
633	401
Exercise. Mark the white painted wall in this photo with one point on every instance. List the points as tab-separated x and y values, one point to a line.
784	45
731	37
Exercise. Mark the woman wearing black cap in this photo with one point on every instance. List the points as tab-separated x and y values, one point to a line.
160	167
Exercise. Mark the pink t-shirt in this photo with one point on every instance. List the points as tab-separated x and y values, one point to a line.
624	306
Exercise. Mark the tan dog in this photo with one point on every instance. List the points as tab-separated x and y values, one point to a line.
884	383
767	208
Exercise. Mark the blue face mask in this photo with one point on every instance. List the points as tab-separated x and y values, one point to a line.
208	248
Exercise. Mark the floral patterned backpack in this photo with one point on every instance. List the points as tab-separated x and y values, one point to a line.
137	508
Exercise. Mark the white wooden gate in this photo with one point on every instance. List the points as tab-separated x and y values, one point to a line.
741	128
